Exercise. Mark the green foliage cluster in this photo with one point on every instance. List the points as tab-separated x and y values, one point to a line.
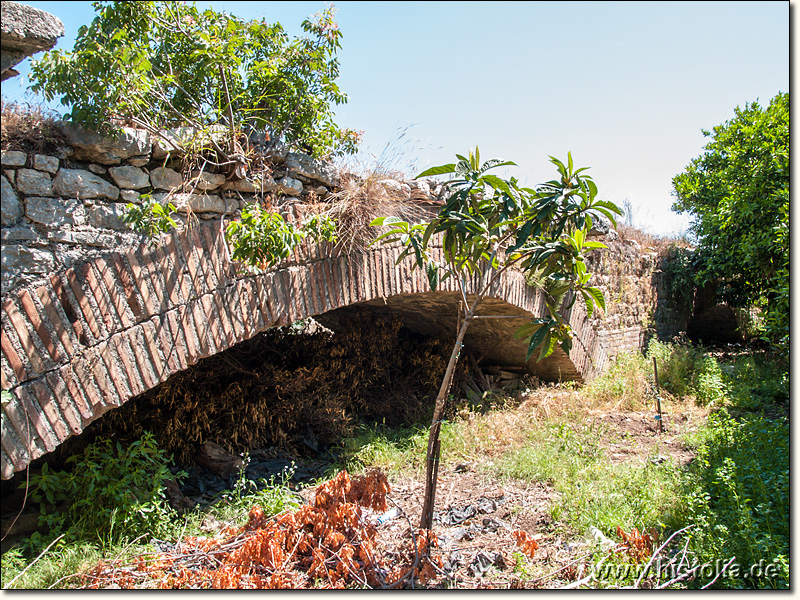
159	65
489	224
149	217
738	496
685	371
737	193
112	493
262	238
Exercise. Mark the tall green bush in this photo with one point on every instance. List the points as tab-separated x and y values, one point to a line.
737	193
159	65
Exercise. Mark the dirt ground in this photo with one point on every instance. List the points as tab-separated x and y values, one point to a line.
476	515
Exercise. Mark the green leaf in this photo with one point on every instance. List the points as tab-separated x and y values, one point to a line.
440	170
432	271
597	295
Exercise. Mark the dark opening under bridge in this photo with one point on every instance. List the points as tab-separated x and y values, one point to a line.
95	335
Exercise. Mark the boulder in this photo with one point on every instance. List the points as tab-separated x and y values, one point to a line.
197	203
107	216
163	178
53	212
13	158
107	150
290	186
34	183
129	178
24	31
79	183
177	140
205	182
311	168
10	206
42	162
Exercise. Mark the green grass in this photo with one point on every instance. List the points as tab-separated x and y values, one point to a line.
594	492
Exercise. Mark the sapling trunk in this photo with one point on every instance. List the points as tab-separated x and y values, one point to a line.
432	468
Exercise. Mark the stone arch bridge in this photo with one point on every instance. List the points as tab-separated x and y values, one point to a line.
90	337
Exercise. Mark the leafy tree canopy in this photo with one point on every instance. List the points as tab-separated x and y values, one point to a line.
166	64
737	193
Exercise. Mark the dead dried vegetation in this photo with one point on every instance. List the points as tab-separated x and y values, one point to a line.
275	388
30	128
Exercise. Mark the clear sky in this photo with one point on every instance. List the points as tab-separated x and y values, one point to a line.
626	86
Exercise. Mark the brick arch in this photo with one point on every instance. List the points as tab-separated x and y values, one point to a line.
89	338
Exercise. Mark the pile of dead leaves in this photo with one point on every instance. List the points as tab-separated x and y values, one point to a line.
332	543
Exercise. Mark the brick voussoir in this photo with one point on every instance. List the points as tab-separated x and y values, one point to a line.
103	266
82	403
224	319
128	363
263	302
233	308
132	298
140	280
205	261
22	327
111	360
104	313
83	302
195	272
185	317
212	318
169	346
148	259
202	328
179	261
6	465
24	430
84	375
160	370
37	418
30	310
170	273
58	388
10	354
209	243
135	340
56	318
177	338
109	398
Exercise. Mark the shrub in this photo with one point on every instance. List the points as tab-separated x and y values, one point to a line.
111	493
738	496
158	65
30	128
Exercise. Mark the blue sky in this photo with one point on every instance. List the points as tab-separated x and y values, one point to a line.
627	87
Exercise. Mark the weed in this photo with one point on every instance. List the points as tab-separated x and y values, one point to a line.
111	494
738	494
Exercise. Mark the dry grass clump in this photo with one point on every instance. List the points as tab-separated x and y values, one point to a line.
364	197
30	128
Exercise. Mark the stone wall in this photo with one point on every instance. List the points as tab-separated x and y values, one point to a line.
61	209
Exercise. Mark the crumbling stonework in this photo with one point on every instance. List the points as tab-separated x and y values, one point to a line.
24	31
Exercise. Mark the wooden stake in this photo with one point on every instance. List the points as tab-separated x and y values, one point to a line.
658	398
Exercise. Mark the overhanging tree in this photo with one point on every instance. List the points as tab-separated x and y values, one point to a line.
737	193
487	226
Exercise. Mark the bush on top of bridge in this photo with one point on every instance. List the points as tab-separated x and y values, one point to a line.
159	65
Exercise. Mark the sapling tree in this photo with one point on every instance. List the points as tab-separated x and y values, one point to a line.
487	226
